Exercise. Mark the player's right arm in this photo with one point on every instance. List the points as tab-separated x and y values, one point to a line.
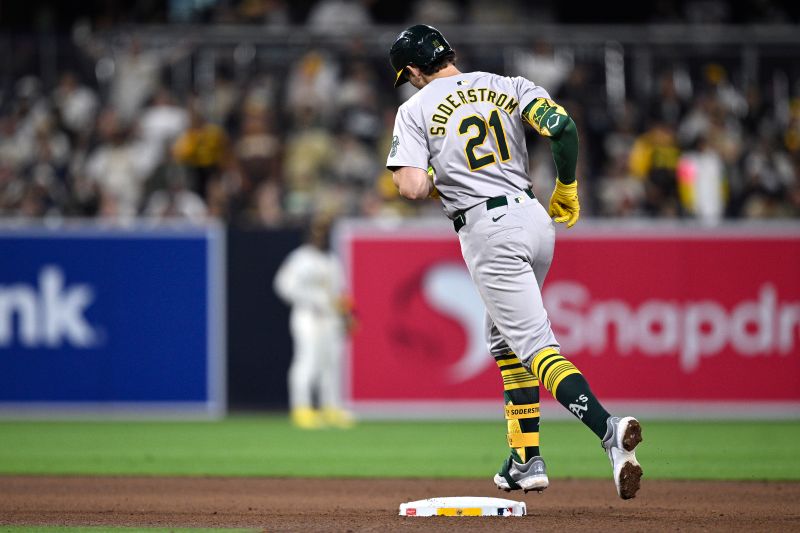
286	279
409	156
412	182
292	286
552	121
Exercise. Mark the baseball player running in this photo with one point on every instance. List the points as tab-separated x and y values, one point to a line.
468	128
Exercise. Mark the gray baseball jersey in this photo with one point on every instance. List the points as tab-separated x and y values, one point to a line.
469	128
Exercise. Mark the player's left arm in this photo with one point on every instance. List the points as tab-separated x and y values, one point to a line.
552	121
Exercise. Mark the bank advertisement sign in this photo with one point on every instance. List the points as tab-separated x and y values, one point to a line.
674	320
103	320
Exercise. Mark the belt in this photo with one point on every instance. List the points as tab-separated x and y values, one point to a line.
460	218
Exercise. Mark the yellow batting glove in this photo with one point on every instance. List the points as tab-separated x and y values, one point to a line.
564	205
434	191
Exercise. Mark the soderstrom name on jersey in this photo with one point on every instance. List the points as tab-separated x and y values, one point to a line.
455	100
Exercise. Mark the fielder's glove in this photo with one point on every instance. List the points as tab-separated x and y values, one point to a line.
564	206
346	309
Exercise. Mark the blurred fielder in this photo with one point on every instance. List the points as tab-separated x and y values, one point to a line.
310	279
469	128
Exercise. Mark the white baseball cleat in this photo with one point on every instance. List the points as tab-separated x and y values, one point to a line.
622	437
531	475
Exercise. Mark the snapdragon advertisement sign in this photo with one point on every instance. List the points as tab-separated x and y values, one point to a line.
672	321
102	320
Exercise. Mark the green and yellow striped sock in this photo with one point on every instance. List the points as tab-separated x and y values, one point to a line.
570	388
521	395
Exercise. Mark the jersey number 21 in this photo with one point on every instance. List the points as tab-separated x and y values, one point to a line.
481	128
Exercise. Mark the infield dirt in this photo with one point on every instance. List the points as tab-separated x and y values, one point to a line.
275	504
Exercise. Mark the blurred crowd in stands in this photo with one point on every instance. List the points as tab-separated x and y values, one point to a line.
278	147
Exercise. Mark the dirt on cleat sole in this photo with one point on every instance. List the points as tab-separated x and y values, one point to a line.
629	481
633	436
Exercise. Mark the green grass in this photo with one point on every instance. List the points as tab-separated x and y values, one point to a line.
269	446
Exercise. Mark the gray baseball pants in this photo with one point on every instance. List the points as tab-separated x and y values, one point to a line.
508	251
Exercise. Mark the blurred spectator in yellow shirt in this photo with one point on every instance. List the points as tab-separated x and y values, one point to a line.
204	149
653	159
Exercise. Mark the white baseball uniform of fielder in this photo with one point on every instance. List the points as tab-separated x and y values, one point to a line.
469	128
311	281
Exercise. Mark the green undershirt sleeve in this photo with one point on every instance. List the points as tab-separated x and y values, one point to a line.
565	152
552	121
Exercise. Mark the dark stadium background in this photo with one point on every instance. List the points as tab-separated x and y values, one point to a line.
640	80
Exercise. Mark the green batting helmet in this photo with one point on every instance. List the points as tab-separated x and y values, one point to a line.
418	45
